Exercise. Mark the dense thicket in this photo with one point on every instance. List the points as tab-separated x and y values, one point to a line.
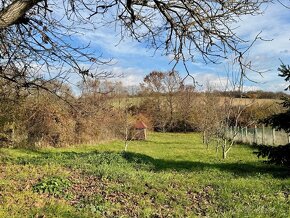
40	118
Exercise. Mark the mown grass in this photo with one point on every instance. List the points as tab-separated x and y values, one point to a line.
170	175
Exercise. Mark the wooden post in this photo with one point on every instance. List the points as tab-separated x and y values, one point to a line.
145	134
126	127
263	134
273	136
246	133
242	134
234	132
256	135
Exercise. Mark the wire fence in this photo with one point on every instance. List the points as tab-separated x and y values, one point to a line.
262	135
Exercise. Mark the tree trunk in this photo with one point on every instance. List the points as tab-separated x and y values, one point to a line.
15	11
224	154
126	129
126	138
207	142
224	149
217	145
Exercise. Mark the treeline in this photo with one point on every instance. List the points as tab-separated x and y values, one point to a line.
173	106
258	94
55	116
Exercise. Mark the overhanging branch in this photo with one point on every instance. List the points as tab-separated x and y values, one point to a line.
15	11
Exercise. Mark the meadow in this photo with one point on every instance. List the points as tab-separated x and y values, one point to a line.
169	175
137	101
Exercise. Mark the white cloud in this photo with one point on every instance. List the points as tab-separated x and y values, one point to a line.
128	76
210	81
265	55
251	88
112	43
274	25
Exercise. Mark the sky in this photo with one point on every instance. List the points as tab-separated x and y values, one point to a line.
133	60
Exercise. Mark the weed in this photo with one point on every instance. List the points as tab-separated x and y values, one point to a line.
55	186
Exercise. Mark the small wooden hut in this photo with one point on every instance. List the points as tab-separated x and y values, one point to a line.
138	131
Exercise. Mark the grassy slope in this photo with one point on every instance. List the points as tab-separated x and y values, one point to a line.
168	175
122	102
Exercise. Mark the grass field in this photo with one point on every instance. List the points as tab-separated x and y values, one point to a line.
137	101
170	175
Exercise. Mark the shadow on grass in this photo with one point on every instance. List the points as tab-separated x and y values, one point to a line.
162	143
239	169
144	162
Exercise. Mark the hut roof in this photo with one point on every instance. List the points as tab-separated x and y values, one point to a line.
140	125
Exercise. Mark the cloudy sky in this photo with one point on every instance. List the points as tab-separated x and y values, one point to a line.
133	60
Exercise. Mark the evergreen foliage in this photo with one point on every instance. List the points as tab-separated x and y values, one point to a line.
279	155
285	72
281	121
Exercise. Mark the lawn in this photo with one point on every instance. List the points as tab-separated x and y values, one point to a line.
170	175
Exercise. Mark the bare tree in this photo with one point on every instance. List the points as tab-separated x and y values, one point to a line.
36	48
163	89
232	109
153	86
207	114
36	35
96	118
187	100
172	85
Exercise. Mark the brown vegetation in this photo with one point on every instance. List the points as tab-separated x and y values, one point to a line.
40	118
103	111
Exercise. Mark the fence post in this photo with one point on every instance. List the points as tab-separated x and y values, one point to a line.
246	133
263	134
273	136
255	135
242	134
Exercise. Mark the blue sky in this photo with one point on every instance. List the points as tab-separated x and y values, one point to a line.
133	60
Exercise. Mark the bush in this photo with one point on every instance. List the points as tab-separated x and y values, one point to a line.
55	186
180	126
279	155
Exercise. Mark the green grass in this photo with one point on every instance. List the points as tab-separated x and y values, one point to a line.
170	175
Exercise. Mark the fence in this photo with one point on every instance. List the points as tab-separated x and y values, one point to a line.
263	135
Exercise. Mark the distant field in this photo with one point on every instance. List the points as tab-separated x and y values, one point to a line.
247	101
170	175
122	102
